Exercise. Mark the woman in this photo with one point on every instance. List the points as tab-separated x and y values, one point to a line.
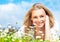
42	20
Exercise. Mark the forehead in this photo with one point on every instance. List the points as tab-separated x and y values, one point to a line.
38	12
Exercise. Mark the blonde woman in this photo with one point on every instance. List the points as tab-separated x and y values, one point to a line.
43	20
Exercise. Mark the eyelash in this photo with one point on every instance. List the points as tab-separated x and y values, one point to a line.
41	16
35	17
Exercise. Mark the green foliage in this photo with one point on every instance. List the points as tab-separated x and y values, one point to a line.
10	38
26	38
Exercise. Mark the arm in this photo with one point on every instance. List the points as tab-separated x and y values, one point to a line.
47	29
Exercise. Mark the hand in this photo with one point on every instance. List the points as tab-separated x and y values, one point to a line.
47	29
47	22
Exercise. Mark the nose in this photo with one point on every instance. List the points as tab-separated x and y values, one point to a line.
39	19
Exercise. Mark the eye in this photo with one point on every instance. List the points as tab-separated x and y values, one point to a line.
41	16
35	17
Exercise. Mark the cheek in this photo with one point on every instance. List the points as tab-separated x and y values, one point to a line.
43	19
34	21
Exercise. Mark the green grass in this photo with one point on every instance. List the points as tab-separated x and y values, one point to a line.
10	38
26	38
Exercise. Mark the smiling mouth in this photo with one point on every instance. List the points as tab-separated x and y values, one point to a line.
39	24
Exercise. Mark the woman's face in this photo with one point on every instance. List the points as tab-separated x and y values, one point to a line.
38	17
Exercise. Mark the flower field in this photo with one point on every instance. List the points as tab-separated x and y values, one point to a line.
7	35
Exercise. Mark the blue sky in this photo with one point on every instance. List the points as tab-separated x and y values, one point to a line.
12	11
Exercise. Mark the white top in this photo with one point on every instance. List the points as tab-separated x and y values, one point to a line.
55	31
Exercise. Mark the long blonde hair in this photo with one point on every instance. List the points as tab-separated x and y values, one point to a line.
27	19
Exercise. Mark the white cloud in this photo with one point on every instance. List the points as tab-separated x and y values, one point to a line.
7	7
13	12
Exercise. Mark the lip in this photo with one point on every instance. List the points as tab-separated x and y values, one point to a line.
39	23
